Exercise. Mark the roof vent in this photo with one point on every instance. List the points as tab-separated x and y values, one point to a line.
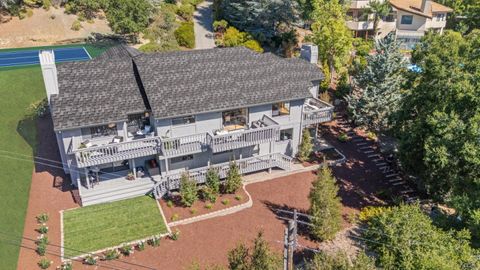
309	52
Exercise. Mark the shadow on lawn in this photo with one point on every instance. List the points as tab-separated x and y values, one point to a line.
45	150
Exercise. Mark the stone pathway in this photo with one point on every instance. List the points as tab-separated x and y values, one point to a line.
203	25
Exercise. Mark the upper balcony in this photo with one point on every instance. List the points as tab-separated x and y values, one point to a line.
89	154
238	136
316	111
179	146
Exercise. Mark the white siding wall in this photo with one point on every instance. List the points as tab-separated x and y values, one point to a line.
418	23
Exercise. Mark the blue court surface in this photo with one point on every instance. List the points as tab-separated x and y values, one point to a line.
30	57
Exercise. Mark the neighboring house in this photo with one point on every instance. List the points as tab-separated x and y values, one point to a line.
150	117
410	19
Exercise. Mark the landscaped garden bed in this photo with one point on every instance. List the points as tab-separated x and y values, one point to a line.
106	225
174	210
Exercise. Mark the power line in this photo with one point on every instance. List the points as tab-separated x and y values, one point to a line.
18	238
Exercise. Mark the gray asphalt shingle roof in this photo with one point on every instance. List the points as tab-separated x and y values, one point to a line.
181	83
105	89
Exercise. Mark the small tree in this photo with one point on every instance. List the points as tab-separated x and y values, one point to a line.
234	179
262	257
129	16
379	9
188	190
306	147
238	258
213	180
325	205
340	260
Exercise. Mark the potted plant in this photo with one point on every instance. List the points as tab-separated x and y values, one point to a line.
130	176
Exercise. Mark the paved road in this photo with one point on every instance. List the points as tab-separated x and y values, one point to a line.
203	21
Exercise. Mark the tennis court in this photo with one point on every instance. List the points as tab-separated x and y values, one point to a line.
30	57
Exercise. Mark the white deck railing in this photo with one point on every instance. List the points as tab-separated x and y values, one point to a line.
116	151
172	147
247	137
316	111
247	165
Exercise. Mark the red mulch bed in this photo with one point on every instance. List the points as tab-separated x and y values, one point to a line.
199	206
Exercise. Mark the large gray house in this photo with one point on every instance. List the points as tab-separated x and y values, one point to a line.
129	123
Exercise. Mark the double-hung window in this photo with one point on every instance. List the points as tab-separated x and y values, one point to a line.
407	19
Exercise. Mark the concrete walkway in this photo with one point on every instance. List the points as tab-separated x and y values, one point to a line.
203	26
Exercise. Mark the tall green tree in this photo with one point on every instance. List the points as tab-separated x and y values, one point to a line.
238	258
262	257
377	92
213	180
325	205
439	121
331	35
129	16
379	9
465	16
306	146
188	190
234	179
405	238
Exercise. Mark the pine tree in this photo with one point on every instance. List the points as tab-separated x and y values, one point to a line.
213	180
325	205
238	258
188	190
377	92
234	179
306	147
262	256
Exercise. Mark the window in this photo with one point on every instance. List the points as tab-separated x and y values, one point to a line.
181	159
235	119
286	134
100	131
440	17
407	19
281	108
190	119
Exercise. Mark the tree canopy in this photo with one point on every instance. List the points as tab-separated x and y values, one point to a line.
439	119
405	239
465	16
377	92
129	16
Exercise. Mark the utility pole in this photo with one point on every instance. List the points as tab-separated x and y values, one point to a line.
290	242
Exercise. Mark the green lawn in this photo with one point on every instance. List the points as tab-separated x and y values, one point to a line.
100	226
19	87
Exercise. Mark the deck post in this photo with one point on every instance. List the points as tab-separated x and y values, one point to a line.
134	169
87	177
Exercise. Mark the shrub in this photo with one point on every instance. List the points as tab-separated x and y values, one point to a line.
225	201
340	260
188	190
193	211
90	259
141	245
44	263
213	180
170	203
343	137
42	239
53	16
220	26
234	179
306	147
76	25
41	249
185	35
43	229
42	218
38	109
150	47
175	217
175	235
209	195
66	265
369	212
127	250
325	205
111	254
233	37
371	135
238	257
155	241
253	45
208	205
47	4
186	12
238	197
29	13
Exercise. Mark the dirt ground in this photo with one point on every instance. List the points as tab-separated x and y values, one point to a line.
199	206
40	29
208	241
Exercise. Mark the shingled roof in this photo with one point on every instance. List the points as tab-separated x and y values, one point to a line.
117	83
96	92
182	83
